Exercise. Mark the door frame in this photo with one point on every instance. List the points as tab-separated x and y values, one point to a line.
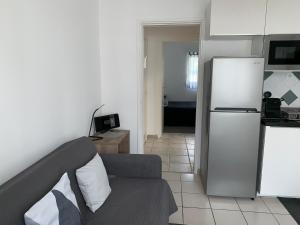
140	80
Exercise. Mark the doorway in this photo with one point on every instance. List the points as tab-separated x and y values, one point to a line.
170	94
180	86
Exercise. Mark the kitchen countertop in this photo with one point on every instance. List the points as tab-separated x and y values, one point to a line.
280	122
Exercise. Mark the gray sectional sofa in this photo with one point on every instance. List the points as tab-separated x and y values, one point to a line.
139	195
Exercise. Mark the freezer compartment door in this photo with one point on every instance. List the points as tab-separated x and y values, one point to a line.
237	83
233	154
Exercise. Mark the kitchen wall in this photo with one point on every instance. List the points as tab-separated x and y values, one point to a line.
284	84
227	48
175	58
49	77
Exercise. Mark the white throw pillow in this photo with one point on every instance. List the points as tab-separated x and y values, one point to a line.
57	207
93	183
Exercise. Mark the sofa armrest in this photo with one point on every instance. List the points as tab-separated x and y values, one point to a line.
132	166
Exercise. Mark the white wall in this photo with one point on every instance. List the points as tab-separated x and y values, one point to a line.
155	37
175	67
49	77
230	48
121	53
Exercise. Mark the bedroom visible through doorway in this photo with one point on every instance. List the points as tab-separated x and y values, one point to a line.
170	79
180	86
170	94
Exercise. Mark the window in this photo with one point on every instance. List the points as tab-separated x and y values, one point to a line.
192	70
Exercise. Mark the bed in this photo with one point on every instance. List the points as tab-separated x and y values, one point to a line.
180	114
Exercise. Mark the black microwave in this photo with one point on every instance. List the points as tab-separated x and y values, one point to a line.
282	52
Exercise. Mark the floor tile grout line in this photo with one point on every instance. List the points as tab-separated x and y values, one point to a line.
265	204
241	210
261	212
188	155
182	214
270	210
231	210
276	219
273	214
212	211
244	217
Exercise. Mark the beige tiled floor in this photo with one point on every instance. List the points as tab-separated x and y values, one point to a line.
194	207
175	150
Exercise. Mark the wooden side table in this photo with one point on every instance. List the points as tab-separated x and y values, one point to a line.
115	141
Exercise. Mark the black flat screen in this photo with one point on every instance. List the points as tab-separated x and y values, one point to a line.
284	53
106	123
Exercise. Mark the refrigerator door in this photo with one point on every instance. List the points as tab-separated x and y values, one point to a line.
233	154
237	83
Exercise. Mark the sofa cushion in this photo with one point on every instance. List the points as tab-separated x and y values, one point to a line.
136	202
133	165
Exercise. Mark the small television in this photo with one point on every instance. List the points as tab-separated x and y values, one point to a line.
106	123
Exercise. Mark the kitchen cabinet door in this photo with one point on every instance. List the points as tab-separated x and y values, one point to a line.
237	17
283	17
280	162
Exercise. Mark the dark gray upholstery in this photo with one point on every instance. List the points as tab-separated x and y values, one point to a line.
136	187
134	166
136	202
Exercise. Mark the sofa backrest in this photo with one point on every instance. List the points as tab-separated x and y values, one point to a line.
24	190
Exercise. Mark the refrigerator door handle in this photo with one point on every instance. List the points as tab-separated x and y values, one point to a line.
236	109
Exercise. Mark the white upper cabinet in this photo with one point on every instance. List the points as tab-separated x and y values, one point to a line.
283	17
238	17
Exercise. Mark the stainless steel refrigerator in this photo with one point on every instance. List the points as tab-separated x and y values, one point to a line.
230	135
